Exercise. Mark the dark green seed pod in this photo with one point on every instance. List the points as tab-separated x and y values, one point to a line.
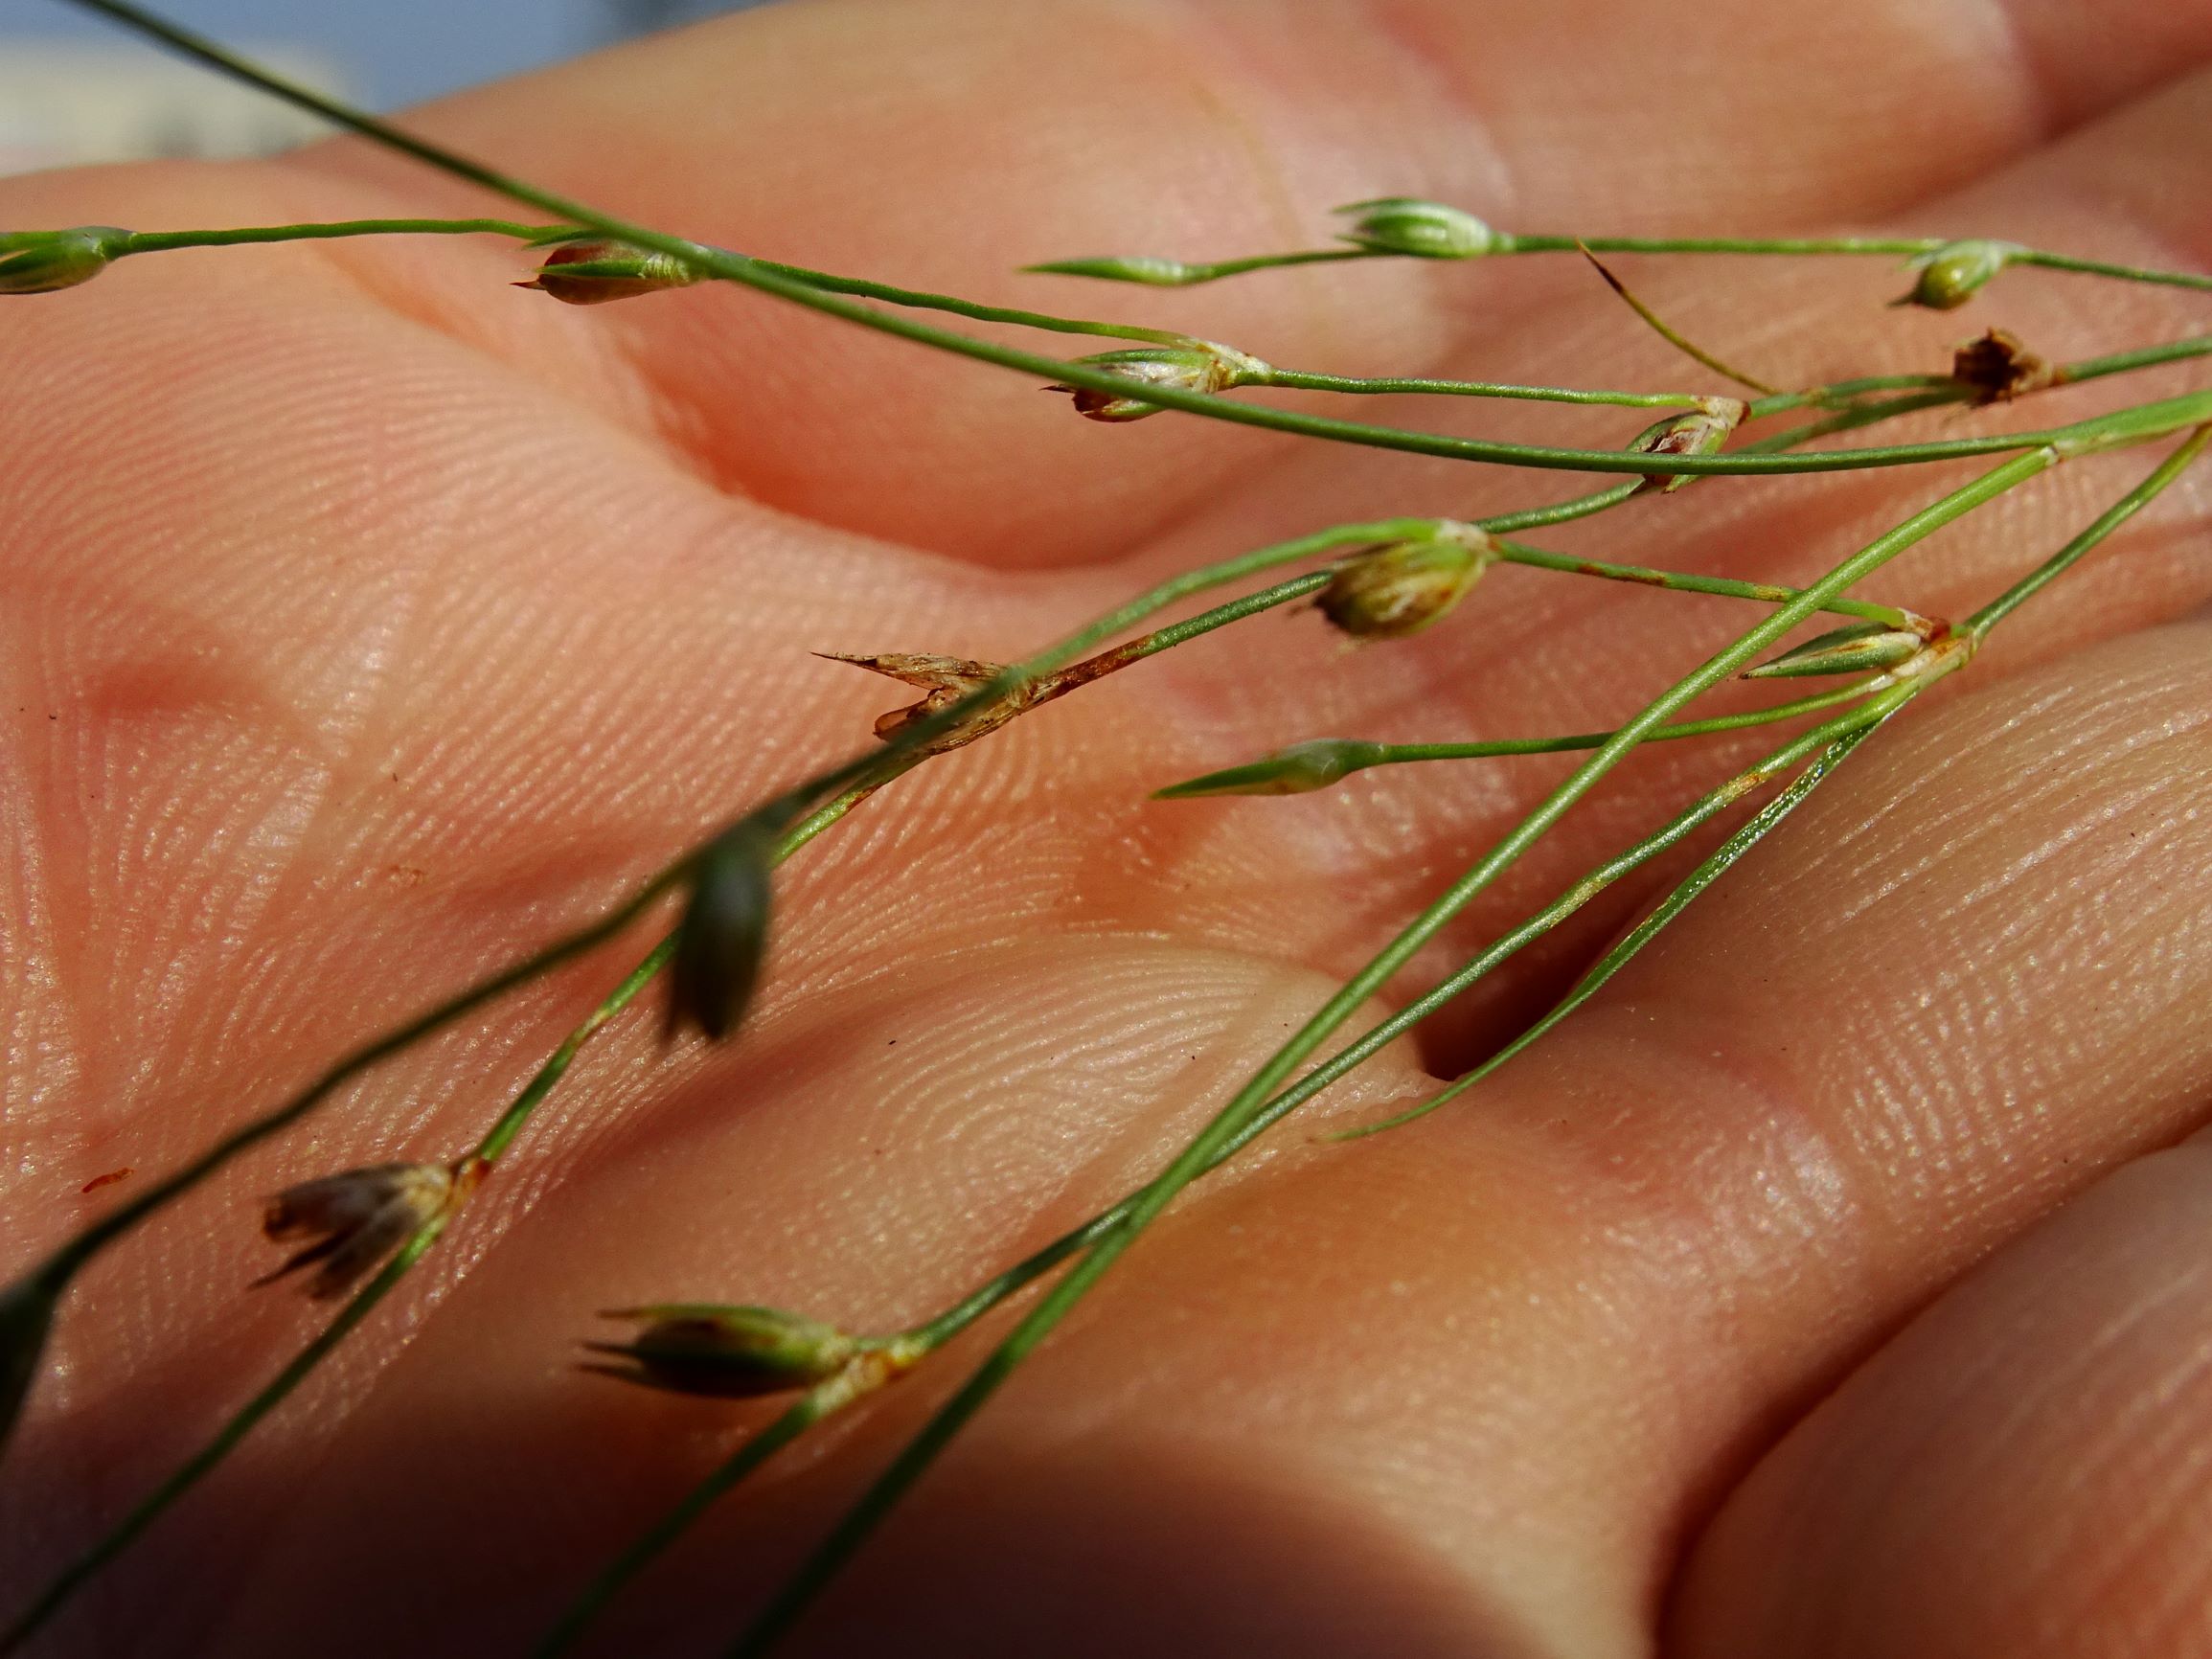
725	933
705	1348
44	262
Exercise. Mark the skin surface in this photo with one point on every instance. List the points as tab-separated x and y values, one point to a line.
1833	1285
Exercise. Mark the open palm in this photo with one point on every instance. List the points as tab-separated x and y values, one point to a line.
1820	1288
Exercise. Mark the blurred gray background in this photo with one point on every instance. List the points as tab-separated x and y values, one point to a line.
76	89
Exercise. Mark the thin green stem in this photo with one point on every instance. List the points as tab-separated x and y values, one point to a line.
189	1472
1349	755
1979	624
941	1328
1419	385
2175	413
922	1450
164	242
1644	932
1684	581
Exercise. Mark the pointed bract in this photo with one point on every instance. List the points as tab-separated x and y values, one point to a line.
1855	648
1130	268
1297	770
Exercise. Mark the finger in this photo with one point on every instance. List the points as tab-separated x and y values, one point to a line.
958	141
2019	1471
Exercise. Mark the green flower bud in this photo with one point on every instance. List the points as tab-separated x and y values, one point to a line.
1955	272
1427	230
42	262
592	272
703	1347
1128	268
1700	431
1401	587
1314	764
725	933
1854	649
1199	367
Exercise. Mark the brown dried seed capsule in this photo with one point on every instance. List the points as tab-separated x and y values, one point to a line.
1401	587
1999	367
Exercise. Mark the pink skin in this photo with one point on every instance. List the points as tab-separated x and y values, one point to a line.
367	622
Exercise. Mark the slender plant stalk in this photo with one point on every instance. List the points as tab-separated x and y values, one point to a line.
833	1395
824	799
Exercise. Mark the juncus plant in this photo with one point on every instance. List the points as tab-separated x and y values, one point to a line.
1971	427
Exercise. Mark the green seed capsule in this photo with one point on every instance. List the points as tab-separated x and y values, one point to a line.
732	1352
1404	586
1130	268
45	261
1426	229
1196	368
593	272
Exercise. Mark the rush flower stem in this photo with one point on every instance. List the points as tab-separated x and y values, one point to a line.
1176	273
823	1401
2175	413
846	1537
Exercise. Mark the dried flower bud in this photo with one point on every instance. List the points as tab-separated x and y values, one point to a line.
724	936
592	272
42	262
359	1218
947	680
1427	230
702	1348
1401	587
1700	431
1999	367
1198	367
1314	764
1130	268
1955	272
1854	649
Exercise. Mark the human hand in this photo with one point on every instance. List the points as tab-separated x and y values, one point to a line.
369	623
